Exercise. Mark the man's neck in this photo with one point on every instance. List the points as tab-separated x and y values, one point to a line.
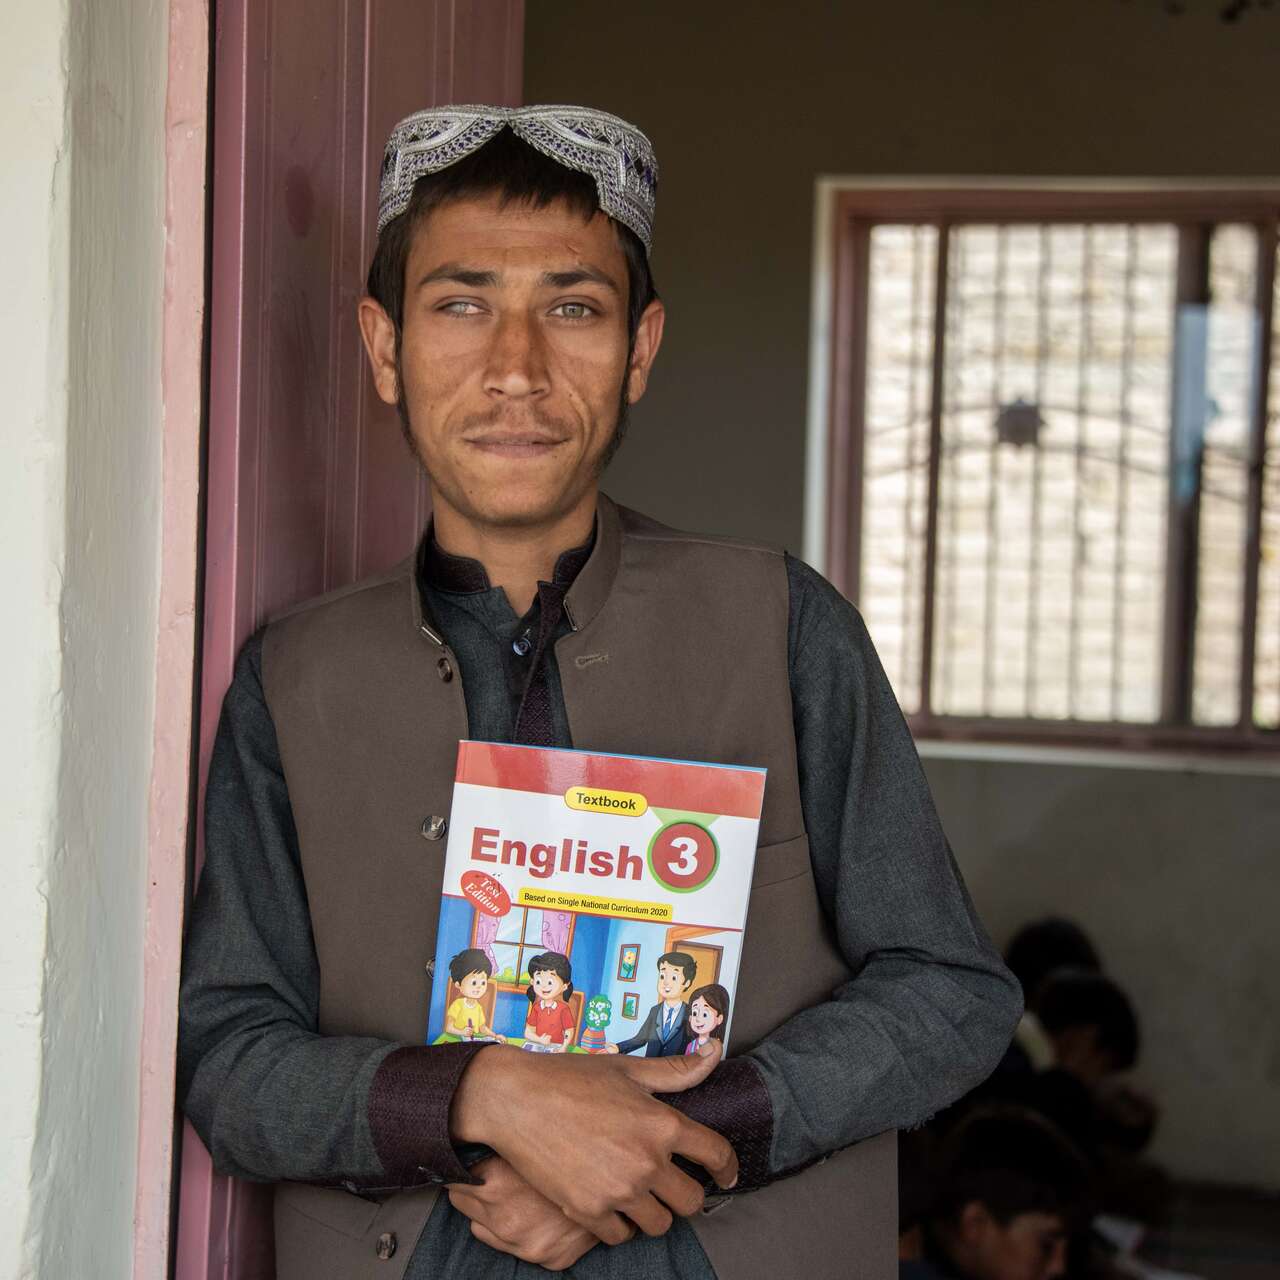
516	557
673	1002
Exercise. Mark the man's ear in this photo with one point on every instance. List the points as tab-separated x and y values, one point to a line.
645	349
379	334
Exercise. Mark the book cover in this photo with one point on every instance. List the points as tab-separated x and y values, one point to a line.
593	903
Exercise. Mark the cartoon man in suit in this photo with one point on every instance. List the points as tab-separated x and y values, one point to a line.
665	1030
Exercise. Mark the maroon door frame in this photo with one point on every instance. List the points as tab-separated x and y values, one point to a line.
310	485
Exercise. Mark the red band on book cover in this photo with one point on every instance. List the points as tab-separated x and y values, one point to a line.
665	784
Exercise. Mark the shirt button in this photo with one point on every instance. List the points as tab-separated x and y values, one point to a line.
386	1246
521	646
434	827
444	669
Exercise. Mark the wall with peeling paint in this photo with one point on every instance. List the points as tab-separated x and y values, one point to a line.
82	95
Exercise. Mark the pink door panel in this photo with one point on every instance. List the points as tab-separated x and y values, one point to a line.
310	484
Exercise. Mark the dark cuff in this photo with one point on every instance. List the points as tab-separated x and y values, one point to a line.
409	1103
734	1101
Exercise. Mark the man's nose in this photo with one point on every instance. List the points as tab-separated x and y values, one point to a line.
517	365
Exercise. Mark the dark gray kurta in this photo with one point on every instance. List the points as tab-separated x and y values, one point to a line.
927	1017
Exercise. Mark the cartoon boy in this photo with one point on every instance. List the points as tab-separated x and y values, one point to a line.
550	1020
708	1008
665	1030
470	970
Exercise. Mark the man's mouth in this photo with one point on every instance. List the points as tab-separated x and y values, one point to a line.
515	444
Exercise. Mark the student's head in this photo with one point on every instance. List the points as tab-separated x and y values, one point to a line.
1008	1189
708	1008
550	977
676	972
511	322
470	969
1044	945
1091	1022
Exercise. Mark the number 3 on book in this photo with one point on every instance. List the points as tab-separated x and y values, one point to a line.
683	856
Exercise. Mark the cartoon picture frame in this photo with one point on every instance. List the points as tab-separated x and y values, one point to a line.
631	1005
627	973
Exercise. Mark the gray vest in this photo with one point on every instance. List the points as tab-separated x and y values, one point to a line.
678	648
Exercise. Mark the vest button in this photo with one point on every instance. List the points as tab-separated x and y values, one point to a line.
445	670
434	827
386	1246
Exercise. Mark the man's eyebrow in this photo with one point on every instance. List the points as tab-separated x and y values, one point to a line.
579	275
458	274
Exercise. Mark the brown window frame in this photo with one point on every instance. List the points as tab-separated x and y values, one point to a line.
1195	212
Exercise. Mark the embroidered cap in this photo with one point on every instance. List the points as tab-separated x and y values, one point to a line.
615	154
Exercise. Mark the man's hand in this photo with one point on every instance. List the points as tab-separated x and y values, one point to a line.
586	1133
507	1214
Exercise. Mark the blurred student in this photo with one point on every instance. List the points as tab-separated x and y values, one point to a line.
1006	1192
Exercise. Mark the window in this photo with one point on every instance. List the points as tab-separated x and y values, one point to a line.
1052	491
519	938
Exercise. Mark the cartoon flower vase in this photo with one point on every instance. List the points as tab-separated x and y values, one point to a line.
598	1015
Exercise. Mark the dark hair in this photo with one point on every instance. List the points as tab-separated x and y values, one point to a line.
1012	1162
683	961
1044	945
508	167
718	999
1078	998
472	960
558	964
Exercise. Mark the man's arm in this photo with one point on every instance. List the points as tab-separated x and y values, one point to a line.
641	1037
931	1007
270	1097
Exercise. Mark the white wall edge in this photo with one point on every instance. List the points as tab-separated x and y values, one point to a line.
818	404
1101	758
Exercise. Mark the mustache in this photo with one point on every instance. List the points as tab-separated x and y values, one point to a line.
502	416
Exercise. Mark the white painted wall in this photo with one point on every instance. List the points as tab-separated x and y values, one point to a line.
1174	873
82	88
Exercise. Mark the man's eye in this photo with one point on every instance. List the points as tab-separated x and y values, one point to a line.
460	307
572	311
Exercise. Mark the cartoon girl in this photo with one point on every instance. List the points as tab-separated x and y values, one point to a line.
708	1008
550	1020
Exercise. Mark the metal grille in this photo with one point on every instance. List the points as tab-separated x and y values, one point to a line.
1038	437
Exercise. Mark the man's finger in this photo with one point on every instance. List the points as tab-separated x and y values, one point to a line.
706	1147
674	1074
609	1227
652	1217
495	1241
679	1192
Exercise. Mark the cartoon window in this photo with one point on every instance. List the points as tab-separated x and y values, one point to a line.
523	933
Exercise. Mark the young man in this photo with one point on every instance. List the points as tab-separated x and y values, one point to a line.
512	318
665	1030
1007	1191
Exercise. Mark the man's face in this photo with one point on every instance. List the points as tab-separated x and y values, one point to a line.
671	981
514	356
1030	1246
473	985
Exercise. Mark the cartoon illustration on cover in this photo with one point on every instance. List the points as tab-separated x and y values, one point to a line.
665	1031
708	1008
550	1021
599	1015
465	1018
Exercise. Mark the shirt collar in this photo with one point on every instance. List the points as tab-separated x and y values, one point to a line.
444	571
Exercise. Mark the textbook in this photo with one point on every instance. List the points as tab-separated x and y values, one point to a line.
593	903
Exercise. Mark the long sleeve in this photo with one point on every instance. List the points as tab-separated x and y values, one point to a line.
641	1037
270	1096
931	1006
